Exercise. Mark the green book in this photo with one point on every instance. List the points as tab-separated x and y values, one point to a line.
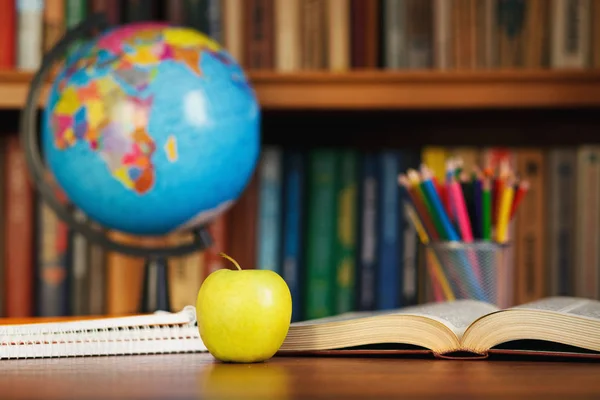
321	234
346	231
75	12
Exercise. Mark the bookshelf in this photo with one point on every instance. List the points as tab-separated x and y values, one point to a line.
396	90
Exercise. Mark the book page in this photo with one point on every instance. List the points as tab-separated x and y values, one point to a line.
566	305
456	315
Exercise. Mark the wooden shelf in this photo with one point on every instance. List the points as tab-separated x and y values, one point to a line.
396	90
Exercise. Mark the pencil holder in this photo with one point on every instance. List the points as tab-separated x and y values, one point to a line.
478	270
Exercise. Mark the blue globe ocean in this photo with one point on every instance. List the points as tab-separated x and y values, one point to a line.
151	129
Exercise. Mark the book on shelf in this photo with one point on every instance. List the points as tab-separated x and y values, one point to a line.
554	326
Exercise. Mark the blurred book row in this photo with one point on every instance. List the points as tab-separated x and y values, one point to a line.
293	35
329	220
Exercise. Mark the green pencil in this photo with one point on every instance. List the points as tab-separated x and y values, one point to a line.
486	217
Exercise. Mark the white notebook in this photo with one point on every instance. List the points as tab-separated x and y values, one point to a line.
161	332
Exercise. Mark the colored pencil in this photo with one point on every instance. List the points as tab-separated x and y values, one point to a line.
506	201
420	206
519	195
478	206
486	219
447	230
436	269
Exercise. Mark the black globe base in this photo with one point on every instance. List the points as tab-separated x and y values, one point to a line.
156	291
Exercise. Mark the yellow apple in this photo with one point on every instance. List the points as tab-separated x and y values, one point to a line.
243	315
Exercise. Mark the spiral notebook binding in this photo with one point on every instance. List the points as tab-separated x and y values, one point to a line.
152	334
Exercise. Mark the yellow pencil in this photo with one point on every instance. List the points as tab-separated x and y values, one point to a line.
437	269
504	212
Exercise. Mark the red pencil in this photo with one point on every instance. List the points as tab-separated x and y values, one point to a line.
519	194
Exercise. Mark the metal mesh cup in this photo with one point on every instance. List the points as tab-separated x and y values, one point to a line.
478	270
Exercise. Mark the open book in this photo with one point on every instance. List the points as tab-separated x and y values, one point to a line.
553	326
161	332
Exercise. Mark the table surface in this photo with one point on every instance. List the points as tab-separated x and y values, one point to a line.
200	376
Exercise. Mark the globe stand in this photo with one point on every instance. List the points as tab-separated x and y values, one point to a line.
155	292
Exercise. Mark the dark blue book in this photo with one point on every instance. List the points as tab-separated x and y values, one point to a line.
390	246
293	205
367	233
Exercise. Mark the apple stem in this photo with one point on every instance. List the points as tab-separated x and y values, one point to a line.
232	260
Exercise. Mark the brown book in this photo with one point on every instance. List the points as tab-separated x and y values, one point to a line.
186	274
242	226
595	33
259	39
54	22
530	269
18	233
313	21
124	279
218	229
364	33
536	42
175	12
111	8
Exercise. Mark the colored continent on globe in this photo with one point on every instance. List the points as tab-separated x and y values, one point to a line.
98	109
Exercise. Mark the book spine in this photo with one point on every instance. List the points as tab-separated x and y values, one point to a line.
185	275
18	235
52	291
269	210
394	34
511	28
562	178
218	231
287	41
410	242
320	240
175	12
537	34
140	10
346	232
30	17
570	33
419	37
293	226
233	28
215	21
259	34
531	270
338	34
196	15
78	271
112	9
54	22
124	278
97	280
242	219
8	18
442	34
75	12
389	279
368	200
588	229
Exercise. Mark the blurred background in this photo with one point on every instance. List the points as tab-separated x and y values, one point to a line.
353	93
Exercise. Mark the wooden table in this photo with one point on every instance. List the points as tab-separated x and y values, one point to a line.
199	376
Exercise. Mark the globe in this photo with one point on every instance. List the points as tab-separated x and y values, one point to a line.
151	129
